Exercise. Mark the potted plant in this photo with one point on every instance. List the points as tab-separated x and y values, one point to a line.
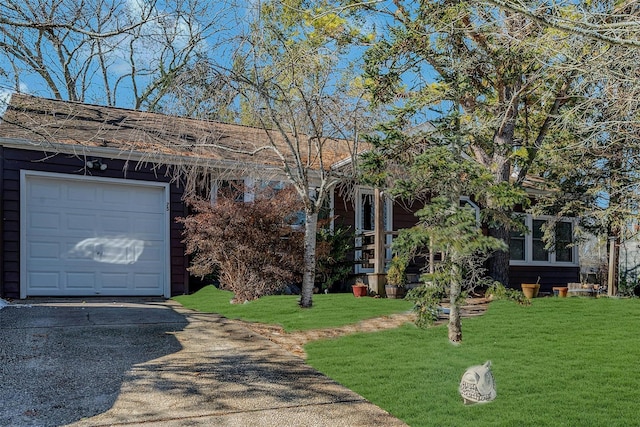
360	289
560	291
530	290
396	278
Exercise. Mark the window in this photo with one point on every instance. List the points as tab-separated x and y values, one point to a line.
564	239
530	248
517	246
539	252
368	212
247	189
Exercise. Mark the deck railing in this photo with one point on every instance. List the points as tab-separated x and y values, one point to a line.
368	247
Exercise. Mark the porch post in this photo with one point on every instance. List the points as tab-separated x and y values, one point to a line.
377	279
379	237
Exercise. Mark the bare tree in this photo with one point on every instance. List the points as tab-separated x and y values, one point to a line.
614	23
293	83
113	52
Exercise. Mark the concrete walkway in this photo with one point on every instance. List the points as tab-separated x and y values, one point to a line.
135	361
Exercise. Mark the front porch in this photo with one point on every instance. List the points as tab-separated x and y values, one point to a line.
374	240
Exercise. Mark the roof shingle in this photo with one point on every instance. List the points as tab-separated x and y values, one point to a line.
42	121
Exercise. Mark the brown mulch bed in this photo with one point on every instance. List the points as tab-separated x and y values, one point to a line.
294	341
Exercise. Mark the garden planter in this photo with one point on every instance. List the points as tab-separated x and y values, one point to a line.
530	290
359	290
394	292
560	291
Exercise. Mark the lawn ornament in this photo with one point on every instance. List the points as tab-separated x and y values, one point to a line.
477	384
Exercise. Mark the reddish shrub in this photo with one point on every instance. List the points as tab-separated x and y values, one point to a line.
252	246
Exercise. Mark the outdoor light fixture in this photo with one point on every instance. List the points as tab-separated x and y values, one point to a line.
96	164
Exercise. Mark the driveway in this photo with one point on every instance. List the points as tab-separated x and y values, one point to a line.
112	361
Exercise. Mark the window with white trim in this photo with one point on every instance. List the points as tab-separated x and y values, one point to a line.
246	189
517	246
530	248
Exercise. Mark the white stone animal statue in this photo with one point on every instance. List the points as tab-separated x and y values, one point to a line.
477	384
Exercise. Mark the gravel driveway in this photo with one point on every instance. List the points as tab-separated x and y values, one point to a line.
133	361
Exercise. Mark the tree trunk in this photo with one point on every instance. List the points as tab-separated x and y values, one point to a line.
455	326
308	279
499	262
612	289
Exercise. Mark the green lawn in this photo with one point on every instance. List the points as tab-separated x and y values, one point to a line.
330	310
559	362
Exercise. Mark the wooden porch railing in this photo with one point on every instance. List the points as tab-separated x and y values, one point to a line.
368	251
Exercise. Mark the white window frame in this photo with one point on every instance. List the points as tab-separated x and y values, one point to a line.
528	245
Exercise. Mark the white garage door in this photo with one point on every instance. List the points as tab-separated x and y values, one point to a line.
86	236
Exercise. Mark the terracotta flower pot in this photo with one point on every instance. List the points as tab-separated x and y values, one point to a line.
530	290
359	290
561	290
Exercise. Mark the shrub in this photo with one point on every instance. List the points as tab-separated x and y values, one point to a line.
499	292
396	275
628	285
333	248
253	246
426	300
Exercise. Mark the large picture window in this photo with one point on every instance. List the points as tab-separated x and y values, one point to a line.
530	248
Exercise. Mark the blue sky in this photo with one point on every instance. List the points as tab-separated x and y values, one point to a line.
147	55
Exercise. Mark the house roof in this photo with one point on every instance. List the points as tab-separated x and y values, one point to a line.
37	123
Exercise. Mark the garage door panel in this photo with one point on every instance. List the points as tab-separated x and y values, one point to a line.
45	191
148	201
148	225
44	280
152	252
103	237
119	251
85	222
43	222
146	281
44	251
113	281
114	223
138	201
80	280
80	249
83	193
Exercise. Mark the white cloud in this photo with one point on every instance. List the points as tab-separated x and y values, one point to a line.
152	36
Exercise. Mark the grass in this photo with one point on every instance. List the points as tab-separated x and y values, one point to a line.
331	310
559	362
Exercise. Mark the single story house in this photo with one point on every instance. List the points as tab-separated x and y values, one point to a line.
89	197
